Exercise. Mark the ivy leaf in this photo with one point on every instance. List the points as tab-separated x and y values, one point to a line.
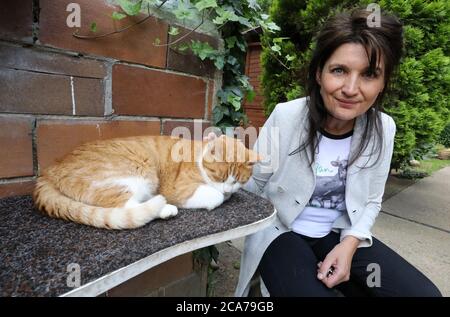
232	60
219	62
183	47
203	4
235	101
225	16
276	48
130	8
217	114
290	58
93	27
242	45
231	41
272	26
174	31
251	95
184	12
203	50
118	16
253	4
157	41
245	21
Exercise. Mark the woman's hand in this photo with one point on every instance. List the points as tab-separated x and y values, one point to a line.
335	269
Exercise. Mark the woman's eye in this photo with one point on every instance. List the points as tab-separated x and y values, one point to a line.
337	71
370	75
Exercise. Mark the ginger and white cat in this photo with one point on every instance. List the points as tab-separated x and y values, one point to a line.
126	182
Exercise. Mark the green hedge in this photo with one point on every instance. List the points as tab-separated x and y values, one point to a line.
418	101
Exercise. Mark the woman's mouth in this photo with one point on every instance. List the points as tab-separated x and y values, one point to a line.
347	103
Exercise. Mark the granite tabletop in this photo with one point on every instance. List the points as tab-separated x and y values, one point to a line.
36	250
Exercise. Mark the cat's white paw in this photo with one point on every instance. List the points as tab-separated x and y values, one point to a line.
168	211
156	203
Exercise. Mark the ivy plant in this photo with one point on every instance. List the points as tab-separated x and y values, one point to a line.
231	18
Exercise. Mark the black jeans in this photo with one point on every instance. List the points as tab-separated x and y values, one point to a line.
289	268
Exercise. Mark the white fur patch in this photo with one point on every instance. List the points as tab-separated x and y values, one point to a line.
205	197
141	189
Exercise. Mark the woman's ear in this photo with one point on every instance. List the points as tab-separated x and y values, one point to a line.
318	73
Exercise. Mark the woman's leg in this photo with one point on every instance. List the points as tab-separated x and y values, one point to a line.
379	271
289	268
395	275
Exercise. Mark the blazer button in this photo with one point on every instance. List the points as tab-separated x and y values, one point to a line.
280	189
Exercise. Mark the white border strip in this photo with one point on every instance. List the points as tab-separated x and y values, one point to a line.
73	96
121	275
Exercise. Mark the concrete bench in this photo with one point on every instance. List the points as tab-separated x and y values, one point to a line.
38	253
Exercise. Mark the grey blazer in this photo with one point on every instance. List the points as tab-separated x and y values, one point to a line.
288	181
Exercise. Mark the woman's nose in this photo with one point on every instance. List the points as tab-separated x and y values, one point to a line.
351	86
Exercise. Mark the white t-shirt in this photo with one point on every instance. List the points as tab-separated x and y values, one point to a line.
327	202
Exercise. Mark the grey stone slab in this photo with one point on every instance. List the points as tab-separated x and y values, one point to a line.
426	248
427	201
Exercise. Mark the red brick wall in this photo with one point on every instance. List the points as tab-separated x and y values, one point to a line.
57	91
254	109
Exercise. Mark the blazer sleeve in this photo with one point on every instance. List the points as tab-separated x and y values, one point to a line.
265	145
362	228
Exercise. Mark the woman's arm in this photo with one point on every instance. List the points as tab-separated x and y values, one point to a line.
264	146
362	228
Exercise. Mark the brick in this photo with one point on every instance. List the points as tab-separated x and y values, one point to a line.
153	279
211	94
56	138
169	126
16	20
16	188
38	60
186	61
24	92
89	96
156	93
16	144
134	44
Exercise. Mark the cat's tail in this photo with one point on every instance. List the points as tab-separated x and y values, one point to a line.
54	203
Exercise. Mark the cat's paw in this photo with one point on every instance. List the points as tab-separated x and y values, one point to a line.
168	211
156	203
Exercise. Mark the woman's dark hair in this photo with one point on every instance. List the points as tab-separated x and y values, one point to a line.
383	41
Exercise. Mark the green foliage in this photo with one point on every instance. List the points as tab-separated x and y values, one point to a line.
418	99
231	18
444	138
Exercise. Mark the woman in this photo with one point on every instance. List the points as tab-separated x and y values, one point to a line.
327	202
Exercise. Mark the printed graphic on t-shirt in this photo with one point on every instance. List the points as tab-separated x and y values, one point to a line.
330	186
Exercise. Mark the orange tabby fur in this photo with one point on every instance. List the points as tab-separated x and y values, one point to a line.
127	182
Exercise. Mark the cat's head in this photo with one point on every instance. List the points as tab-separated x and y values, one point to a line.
226	160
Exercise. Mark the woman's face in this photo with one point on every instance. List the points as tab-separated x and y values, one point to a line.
347	88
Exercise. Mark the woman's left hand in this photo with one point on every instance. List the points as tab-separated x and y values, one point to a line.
338	262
